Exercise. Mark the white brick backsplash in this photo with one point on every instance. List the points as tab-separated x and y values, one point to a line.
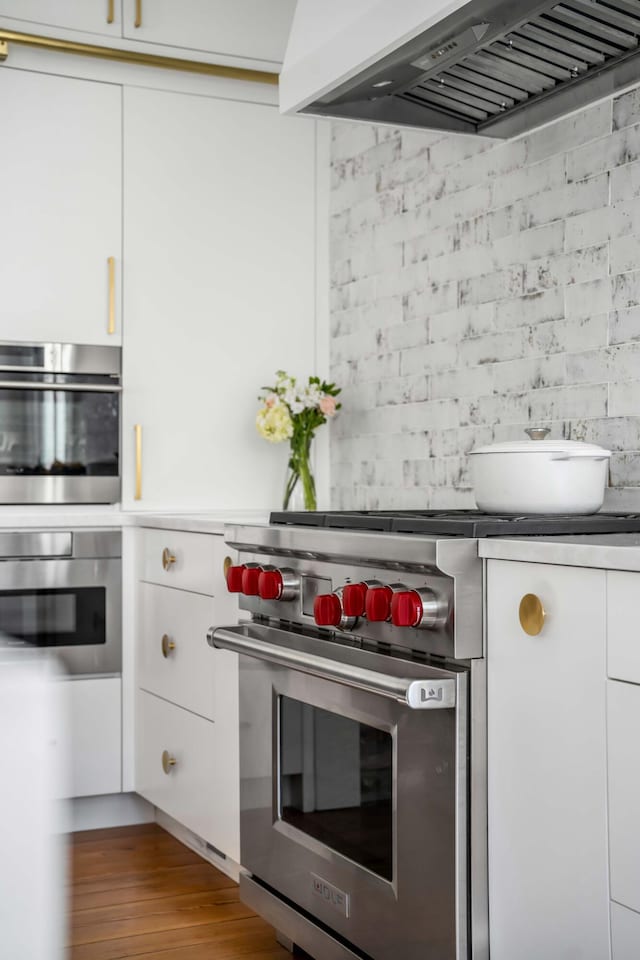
624	325
477	287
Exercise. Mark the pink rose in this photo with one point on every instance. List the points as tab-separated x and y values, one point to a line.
270	400
328	406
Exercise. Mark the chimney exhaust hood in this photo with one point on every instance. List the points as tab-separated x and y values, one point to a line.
491	67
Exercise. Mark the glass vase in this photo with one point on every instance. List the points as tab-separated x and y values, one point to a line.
300	487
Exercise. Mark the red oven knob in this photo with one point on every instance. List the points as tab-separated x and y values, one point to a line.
406	609
327	611
378	603
250	579
234	578
353	599
270	585
420	608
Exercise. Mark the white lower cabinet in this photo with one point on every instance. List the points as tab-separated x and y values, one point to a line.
548	869
187	692
623	716
625	933
187	766
93	735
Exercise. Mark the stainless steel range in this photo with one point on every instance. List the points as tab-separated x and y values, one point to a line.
362	739
363	727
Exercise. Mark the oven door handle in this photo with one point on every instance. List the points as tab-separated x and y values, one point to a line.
417	694
73	387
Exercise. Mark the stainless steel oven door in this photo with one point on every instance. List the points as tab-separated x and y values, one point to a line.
72	607
354	803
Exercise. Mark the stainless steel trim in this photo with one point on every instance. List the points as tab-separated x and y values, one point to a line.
62	387
301	931
59	489
417	694
35	545
478	816
69	358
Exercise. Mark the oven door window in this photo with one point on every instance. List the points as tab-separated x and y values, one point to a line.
58	432
74	616
335	783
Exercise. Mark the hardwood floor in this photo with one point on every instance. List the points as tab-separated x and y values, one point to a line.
138	892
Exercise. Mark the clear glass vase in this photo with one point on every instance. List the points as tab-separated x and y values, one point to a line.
300	487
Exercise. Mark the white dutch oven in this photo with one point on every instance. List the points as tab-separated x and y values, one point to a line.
539	476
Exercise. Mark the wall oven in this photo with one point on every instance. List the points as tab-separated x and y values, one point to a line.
62	590
59	423
362	742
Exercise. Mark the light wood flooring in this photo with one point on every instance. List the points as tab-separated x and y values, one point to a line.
138	892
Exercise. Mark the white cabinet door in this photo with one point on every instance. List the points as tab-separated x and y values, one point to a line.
90	16
625	933
623	716
253	29
61	140
548	889
219	292
623	637
93	735
201	789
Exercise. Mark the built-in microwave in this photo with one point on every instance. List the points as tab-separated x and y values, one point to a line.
59	423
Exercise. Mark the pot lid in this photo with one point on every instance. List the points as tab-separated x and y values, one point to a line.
572	448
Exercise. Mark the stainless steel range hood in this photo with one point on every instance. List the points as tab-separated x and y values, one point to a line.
490	67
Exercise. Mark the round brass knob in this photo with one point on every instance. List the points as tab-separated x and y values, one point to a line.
166	645
168	559
227	562
167	761
532	614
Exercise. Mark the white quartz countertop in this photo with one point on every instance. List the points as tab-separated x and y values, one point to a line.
20	518
614	551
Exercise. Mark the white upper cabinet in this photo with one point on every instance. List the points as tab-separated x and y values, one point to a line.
251	29
219	293
60	165
90	16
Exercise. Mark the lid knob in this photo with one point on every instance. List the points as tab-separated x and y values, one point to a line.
537	433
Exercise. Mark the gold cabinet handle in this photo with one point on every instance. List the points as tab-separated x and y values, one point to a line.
168	559
137	495
227	562
111	325
168	761
138	20
111	12
166	645
532	614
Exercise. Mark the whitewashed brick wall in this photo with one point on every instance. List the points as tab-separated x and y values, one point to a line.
479	287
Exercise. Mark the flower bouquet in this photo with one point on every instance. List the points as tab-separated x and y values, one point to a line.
294	412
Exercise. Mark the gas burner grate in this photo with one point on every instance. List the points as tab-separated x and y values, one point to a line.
460	523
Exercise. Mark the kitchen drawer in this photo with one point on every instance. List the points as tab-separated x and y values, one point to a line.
623	722
623	637
201	790
197	564
186	673
625	933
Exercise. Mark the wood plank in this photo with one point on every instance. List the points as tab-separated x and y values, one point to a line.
138	892
195	878
230	938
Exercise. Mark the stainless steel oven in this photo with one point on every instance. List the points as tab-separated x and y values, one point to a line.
62	590
59	423
362	741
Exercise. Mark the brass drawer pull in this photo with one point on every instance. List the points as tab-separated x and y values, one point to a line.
110	11
111	325
137	432
532	614
227	562
166	645
168	559
138	20
168	761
